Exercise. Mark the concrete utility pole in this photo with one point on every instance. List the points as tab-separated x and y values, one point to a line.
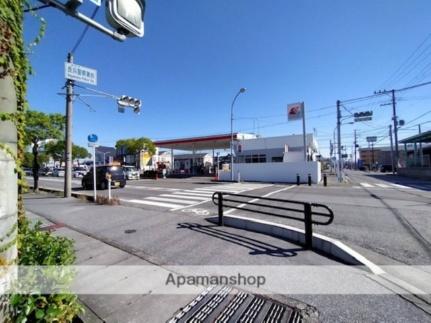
355	143
68	139
8	177
340	177
392	150
394	117
421	153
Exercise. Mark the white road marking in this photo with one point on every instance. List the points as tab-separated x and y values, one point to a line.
401	186
198	192
192	194
383	185
163	199
257	199
147	202
152	188
366	185
186	197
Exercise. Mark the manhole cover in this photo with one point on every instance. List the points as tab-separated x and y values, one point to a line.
226	304
130	231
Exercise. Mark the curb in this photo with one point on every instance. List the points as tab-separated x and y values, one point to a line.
334	248
321	243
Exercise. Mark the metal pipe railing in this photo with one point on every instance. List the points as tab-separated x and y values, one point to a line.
306	208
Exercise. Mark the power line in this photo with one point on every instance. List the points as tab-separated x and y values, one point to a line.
393	75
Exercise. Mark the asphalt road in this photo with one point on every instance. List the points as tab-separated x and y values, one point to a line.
383	216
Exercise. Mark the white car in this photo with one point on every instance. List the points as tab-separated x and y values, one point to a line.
59	172
79	171
131	172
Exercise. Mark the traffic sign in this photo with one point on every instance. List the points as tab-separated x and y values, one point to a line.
92	138
80	73
97	2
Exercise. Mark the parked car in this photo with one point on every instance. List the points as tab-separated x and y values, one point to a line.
385	168
131	172
58	172
46	171
79	171
28	171
118	177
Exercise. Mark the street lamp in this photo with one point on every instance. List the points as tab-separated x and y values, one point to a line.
241	90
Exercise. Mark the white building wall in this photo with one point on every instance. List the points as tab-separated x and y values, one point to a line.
274	172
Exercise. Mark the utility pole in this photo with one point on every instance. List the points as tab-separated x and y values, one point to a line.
372	154
421	153
355	143
394	117
68	139
339	139
392	150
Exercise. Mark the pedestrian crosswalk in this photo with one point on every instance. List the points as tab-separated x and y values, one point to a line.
393	186
184	198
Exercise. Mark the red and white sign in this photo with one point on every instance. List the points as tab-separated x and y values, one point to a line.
295	111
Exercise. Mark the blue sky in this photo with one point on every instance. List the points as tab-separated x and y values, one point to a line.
196	54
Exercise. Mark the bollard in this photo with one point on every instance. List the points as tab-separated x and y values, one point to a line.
308	226
325	180
309	180
220	208
109	188
297	179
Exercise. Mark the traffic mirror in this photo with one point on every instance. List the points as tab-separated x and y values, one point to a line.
126	16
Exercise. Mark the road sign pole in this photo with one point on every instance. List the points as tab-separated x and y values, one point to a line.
68	139
303	133
340	177
94	174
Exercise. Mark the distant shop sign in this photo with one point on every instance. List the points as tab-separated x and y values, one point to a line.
295	111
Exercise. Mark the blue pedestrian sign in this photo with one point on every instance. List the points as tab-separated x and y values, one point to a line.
92	138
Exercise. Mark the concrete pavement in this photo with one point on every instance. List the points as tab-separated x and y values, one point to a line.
178	238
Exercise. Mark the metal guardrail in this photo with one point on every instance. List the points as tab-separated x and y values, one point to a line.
220	199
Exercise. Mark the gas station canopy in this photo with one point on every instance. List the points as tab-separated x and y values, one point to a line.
424	137
197	143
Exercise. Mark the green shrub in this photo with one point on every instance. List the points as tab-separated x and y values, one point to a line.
40	248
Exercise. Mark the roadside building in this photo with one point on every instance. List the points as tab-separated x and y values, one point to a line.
271	159
417	148
198	164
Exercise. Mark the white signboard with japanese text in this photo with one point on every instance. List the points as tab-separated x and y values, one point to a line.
80	73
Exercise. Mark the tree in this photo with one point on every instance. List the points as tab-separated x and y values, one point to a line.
133	146
56	150
39	127
79	152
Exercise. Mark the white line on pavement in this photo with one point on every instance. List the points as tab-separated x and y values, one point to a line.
400	186
192	194
146	202
257	199
163	199
383	185
366	185
186	196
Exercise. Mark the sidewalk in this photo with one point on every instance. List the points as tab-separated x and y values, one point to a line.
106	235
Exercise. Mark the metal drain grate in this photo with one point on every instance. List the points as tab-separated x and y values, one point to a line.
223	304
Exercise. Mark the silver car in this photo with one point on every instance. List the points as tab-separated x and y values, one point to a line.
131	172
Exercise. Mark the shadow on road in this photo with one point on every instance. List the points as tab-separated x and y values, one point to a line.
257	247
